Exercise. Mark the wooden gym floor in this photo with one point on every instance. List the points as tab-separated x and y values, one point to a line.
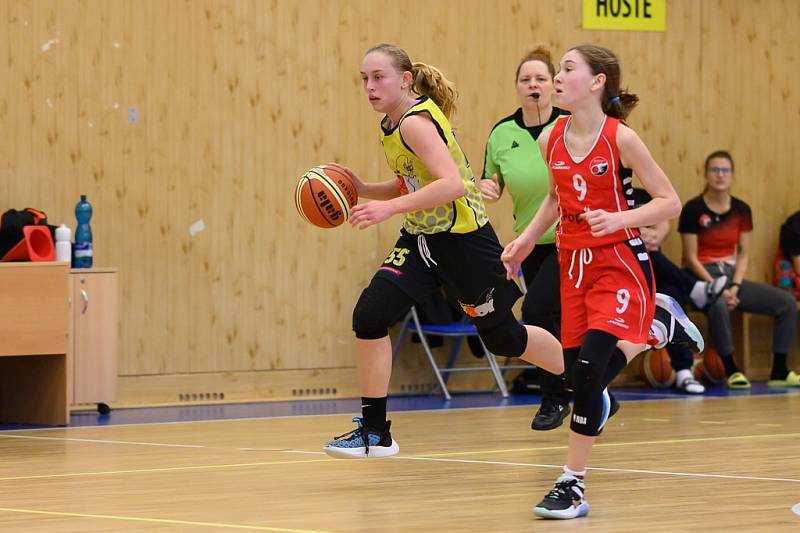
673	464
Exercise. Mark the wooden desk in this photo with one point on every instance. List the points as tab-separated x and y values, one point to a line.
34	337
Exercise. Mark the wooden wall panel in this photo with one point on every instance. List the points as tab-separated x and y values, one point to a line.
233	100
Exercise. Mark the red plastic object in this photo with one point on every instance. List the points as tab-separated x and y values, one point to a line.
36	245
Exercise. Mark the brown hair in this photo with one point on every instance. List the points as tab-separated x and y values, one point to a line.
616	102
540	53
724	154
427	80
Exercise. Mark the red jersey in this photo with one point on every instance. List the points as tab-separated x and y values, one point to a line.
589	183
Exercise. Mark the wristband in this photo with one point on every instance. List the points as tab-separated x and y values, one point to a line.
735	284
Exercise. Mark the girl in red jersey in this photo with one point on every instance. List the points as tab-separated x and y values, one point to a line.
608	298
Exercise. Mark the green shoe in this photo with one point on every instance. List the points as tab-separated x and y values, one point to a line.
737	380
792	380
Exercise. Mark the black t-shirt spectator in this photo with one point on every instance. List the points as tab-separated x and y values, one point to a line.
790	236
717	234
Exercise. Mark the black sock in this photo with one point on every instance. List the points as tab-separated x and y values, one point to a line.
779	368
730	365
374	412
615	365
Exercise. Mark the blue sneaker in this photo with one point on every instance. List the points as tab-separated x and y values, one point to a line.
363	442
674	326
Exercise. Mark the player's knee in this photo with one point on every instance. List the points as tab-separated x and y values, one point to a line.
371	318
508	338
584	375
588	408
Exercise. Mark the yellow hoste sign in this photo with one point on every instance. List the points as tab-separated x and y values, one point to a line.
630	15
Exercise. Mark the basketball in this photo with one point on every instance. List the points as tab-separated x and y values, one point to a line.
342	181
656	370
699	371
324	196
713	369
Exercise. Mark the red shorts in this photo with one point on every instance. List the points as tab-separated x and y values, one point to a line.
609	288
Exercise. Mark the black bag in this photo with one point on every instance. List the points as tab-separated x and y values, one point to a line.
12	222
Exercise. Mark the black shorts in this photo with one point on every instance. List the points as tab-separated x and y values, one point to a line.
467	265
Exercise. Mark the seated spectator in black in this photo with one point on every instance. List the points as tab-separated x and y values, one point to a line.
681	285
715	231
787	262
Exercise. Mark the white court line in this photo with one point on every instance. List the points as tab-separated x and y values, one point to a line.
423	458
101	441
601	469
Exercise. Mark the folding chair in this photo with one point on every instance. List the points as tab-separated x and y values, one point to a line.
457	330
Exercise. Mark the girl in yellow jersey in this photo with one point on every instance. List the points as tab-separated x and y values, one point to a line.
446	240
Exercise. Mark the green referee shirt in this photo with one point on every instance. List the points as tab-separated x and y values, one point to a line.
513	154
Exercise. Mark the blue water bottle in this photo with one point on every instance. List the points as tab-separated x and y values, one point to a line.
82	251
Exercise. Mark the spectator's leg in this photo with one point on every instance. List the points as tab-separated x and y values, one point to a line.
719	323
763	299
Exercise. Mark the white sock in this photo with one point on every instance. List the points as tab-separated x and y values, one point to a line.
683	375
580	474
699	294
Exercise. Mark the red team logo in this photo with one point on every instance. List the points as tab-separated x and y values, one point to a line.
598	166
705	220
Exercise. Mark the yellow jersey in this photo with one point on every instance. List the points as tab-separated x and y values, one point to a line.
463	215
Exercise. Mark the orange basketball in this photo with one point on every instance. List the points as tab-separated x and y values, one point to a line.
656	370
699	371
713	369
342	181
319	199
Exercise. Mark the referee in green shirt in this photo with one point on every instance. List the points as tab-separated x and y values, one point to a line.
515	163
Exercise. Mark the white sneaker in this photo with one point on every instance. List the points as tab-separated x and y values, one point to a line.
672	326
706	293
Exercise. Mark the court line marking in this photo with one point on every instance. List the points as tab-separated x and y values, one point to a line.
163	469
615	444
103	441
434	454
603	469
159	520
443	410
440	458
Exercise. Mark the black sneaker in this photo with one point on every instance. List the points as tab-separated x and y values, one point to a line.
363	442
674	326
551	414
565	500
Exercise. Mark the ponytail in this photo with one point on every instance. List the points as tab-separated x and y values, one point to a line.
621	105
429	81
616	102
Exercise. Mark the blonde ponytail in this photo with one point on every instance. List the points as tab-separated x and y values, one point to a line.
429	81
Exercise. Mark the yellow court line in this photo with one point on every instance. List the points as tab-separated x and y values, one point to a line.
165	469
159	520
611	444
